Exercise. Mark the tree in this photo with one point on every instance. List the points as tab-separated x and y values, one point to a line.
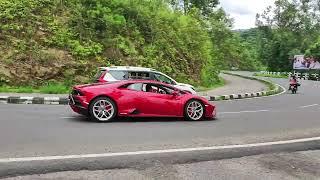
191	40
205	6
314	50
294	25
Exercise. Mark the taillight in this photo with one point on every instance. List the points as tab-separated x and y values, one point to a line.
77	92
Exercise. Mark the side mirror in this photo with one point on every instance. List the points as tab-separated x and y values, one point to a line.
175	93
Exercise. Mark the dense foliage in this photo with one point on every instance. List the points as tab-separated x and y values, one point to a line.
48	41
64	41
291	27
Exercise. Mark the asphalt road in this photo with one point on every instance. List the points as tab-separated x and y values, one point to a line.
284	166
235	85
48	130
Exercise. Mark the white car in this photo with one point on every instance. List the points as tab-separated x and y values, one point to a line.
118	73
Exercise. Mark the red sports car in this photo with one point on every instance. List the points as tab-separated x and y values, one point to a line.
138	98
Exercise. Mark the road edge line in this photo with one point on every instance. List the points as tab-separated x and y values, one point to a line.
80	156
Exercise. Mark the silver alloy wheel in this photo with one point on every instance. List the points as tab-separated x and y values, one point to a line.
195	110
103	110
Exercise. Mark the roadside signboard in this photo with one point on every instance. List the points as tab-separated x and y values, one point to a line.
300	62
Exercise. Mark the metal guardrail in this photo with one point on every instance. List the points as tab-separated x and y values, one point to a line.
305	76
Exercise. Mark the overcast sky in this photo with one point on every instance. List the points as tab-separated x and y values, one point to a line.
244	11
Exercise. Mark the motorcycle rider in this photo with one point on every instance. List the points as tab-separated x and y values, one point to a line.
293	82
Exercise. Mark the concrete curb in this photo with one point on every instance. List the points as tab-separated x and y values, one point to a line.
34	100
274	89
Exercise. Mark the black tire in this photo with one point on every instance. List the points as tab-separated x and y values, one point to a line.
294	91
92	115
187	116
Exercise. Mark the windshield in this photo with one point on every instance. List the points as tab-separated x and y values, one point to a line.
163	78
118	75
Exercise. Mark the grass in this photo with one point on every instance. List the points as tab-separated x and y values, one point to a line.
63	89
271	86
221	83
271	75
48	89
54	89
57	88
25	89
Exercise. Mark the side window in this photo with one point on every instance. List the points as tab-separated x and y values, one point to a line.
118	75
147	87
138	75
135	87
167	89
154	88
98	74
162	78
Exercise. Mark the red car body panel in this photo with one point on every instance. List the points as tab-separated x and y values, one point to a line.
132	103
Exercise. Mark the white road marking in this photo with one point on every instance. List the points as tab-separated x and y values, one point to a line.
46	158
67	117
311	105
239	112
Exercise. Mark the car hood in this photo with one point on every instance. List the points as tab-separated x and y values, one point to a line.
182	84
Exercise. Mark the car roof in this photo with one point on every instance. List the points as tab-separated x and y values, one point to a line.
127	68
123	82
145	81
136	69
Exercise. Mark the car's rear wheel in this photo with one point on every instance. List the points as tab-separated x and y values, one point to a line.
194	110
102	109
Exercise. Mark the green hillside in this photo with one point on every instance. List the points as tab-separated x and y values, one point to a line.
64	41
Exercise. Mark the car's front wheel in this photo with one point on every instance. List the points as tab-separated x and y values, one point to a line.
102	109
194	110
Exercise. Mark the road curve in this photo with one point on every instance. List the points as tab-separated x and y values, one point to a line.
236	85
41	130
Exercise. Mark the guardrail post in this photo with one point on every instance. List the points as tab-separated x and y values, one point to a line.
299	75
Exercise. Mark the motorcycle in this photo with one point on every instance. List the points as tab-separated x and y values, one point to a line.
294	88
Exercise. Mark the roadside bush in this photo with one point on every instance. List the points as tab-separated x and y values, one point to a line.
54	88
